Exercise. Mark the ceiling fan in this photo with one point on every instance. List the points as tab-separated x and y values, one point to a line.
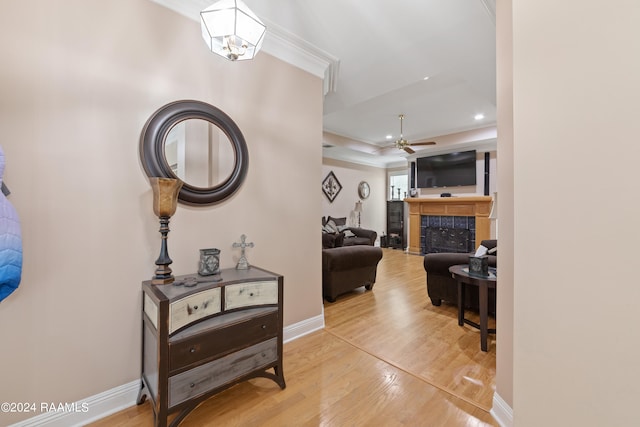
403	144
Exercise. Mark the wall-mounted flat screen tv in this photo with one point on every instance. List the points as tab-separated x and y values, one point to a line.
447	170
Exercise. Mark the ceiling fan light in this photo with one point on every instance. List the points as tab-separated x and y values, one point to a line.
405	145
401	143
231	30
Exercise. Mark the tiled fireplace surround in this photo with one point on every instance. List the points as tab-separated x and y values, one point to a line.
447	234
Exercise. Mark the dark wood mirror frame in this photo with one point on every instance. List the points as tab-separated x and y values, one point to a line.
154	160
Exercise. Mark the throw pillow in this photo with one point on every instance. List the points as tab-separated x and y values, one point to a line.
348	233
338	221
346	230
332	227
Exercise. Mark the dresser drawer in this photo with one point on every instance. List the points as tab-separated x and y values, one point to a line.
221	340
250	293
195	307
199	380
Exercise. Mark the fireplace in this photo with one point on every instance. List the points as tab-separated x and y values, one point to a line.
447	234
476	207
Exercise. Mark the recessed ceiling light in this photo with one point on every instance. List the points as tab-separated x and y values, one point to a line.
389	136
426	78
479	116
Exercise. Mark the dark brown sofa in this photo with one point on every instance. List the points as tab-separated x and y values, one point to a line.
341	235
441	286
347	268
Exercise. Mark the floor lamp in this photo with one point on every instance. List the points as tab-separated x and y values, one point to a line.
358	210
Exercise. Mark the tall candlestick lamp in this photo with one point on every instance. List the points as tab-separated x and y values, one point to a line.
165	201
359	210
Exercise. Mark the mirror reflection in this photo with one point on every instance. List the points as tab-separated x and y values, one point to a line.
199	153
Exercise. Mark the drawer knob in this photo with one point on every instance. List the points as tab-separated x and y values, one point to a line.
251	294
264	326
192	349
192	385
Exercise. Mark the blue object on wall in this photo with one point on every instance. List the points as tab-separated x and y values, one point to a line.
10	243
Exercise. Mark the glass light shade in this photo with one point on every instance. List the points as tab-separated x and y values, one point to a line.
230	29
358	206
165	195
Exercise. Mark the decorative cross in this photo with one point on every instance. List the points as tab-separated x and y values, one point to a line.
243	264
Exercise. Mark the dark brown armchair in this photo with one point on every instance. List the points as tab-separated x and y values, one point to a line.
441	286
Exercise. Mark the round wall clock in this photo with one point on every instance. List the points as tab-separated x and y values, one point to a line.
363	190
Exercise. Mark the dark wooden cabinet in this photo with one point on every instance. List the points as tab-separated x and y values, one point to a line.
396	237
200	340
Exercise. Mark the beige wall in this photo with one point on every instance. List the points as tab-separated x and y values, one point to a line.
576	185
78	81
374	208
505	222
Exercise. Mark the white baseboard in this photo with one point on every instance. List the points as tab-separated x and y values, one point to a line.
88	410
303	328
501	411
111	401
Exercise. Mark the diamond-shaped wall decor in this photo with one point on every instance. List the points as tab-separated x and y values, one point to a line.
331	187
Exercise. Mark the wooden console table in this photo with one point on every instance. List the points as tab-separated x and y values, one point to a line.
476	206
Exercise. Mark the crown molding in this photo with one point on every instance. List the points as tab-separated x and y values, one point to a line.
279	43
293	50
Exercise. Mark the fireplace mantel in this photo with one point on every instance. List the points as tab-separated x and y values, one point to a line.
476	206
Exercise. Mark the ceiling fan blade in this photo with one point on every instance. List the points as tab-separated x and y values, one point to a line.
423	143
409	150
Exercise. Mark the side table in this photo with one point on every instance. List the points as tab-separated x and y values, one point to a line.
461	274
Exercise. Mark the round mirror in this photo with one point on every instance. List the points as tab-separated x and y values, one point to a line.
198	144
199	153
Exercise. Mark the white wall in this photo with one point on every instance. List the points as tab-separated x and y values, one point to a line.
576	186
78	81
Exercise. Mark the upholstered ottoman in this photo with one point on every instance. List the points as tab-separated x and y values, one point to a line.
347	268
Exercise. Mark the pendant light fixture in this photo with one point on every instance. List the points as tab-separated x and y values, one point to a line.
232	30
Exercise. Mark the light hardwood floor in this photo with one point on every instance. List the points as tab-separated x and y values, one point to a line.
386	357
